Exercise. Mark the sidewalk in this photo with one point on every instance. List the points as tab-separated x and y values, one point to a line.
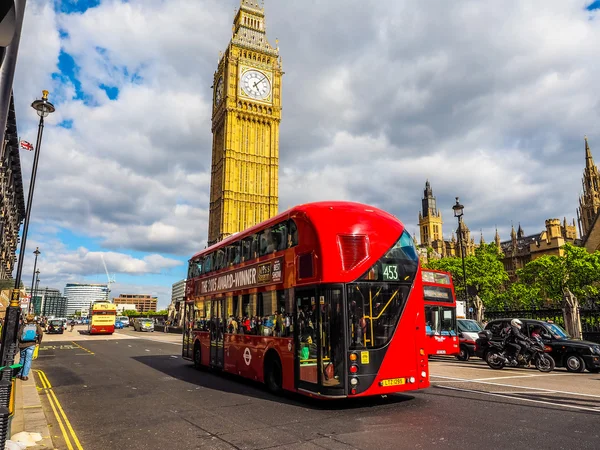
29	415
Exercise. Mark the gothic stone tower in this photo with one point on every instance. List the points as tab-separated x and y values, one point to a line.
430	222
589	203
245	126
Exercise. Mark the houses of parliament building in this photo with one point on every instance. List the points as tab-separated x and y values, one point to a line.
520	248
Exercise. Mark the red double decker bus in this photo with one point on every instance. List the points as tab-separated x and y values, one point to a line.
440	313
325	299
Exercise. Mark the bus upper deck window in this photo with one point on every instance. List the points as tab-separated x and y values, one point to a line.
292	234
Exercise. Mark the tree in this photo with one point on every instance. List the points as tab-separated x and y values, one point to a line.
485	272
576	269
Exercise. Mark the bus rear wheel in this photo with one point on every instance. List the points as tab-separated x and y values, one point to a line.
197	356
273	374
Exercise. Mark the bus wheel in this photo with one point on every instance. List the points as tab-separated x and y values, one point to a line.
464	354
273	373
197	356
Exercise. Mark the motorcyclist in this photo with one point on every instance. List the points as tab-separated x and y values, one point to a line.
515	338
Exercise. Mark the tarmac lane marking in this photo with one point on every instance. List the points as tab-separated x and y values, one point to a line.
494	394
63	421
551	391
83	348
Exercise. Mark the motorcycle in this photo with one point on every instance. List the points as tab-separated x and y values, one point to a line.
498	354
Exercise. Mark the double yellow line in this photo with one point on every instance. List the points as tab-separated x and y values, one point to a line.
65	426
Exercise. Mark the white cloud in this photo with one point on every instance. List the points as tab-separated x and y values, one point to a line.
490	101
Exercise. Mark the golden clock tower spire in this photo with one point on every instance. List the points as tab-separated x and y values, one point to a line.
245	126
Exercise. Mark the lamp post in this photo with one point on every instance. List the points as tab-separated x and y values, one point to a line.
36	253
458	213
11	325
37	283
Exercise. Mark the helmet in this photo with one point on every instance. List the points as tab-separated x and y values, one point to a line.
516	323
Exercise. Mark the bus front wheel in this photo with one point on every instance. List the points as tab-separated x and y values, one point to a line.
273	373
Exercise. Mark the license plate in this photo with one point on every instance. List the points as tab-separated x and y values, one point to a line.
393	382
441	352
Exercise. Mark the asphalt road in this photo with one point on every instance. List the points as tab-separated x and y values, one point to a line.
133	393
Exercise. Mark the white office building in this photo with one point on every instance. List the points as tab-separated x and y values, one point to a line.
177	302
80	296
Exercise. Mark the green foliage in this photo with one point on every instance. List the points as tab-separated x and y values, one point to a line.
577	270
133	313
484	270
540	283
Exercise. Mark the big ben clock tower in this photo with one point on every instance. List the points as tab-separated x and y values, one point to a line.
245	126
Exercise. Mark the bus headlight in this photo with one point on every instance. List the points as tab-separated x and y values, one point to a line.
353	381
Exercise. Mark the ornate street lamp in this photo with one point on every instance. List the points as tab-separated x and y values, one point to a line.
458	213
10	329
36	253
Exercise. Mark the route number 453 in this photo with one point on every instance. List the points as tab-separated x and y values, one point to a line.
390	272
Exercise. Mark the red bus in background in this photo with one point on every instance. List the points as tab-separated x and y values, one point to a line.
324	299
440	313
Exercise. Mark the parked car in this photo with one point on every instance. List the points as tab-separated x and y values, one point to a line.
124	320
143	325
55	326
573	354
118	325
467	334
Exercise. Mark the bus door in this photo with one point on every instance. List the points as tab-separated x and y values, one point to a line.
217	331
188	325
319	337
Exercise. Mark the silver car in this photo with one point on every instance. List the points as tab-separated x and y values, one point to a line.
143	325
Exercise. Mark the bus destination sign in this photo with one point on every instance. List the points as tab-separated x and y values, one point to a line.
248	277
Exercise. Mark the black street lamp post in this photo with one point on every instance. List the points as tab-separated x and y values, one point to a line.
458	213
10	329
37	283
36	253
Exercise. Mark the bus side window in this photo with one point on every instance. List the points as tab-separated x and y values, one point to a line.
246	249
208	263
279	234
199	265
292	234
236	253
220	260
191	269
254	247
265	243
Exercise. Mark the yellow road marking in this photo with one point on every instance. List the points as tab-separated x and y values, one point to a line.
83	348
61	418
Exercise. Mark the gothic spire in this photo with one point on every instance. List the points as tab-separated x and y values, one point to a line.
481	241
520	232
513	233
497	238
589	161
250	4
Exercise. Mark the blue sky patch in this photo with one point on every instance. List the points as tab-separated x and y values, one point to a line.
75	6
111	91
67	123
594	5
68	70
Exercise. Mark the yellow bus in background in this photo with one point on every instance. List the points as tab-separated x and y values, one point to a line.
102	318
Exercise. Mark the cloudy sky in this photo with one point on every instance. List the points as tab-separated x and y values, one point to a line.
488	100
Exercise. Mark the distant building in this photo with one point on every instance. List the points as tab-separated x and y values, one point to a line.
80	296
12	202
177	305
53	303
143	302
124	307
589	204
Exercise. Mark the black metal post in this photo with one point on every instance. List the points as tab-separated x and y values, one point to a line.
462	255
37	283
8	346
36	253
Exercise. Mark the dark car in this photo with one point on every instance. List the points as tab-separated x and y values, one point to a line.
573	354
55	326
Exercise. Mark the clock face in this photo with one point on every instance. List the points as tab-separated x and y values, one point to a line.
219	91
256	84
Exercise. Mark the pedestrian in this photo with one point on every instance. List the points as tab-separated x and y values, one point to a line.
30	334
